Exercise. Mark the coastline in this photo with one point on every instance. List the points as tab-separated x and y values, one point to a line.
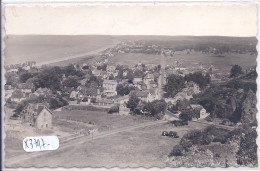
94	52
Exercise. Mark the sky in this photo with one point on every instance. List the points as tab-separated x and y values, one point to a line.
149	19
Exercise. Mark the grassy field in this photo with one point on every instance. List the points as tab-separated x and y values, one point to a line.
134	58
101	120
140	147
194	59
221	63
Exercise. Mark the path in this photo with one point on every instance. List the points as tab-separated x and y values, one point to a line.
18	159
161	81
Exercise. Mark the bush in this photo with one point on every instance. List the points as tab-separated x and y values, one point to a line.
85	99
222	139
177	150
113	109
196	137
247	153
179	123
93	100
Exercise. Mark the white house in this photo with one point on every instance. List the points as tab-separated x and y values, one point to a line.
199	111
110	87
38	115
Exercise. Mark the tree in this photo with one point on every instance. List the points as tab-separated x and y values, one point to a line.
247	153
114	109
111	77
71	81
198	78
24	76
138	73
130	75
57	102
124	89
155	108
133	102
120	90
54	104
102	67
235	71
174	84
93	100
70	70
50	78
11	78
186	116
85	67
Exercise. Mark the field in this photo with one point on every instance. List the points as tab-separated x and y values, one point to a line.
221	63
140	147
134	58
122	141
97	119
189	60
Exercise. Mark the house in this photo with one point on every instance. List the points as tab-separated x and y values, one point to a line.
88	92
67	90
18	97
99	62
25	87
153	94
8	87
149	77
122	99
43	91
138	81
74	94
115	73
109	87
111	68
193	87
152	84
125	73
103	102
97	72
37	115
83	81
142	95
200	112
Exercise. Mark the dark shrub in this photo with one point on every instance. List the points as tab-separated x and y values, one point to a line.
85	99
113	109
247	153
93	100
222	139
195	137
177	150
179	123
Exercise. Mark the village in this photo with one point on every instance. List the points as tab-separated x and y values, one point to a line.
103	85
100	97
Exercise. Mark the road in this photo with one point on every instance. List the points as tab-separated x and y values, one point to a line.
161	81
63	147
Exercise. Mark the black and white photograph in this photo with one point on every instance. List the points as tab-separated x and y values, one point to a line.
128	86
